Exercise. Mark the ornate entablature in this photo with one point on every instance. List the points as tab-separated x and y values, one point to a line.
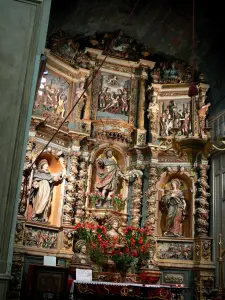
109	161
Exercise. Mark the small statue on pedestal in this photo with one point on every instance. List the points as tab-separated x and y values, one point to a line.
81	256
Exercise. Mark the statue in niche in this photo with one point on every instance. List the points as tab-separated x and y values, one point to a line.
108	174
174	207
41	191
81	256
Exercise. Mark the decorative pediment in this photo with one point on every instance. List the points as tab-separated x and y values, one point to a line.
115	44
174	72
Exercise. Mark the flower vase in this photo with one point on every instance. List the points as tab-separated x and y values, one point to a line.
123	276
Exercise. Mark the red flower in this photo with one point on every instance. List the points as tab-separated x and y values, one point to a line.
140	240
132	241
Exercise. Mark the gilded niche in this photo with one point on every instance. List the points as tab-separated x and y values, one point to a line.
173	208
108	176
41	192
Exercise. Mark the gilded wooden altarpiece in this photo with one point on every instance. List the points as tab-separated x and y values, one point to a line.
124	119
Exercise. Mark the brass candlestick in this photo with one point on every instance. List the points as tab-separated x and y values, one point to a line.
221	253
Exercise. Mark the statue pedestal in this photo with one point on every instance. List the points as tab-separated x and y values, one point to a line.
74	266
150	276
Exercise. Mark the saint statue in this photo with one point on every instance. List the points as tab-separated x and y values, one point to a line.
108	174
41	191
80	256
174	206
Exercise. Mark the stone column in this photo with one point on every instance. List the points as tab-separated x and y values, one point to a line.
23	33
141	132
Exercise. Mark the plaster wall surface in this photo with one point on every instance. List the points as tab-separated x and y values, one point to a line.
23	26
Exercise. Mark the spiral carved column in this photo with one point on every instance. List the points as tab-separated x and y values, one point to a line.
202	204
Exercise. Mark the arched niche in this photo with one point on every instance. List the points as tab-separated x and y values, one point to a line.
55	168
120	157
187	186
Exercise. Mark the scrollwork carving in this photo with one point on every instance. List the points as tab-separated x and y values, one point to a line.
19	232
67	239
151	196
81	187
25	186
69	197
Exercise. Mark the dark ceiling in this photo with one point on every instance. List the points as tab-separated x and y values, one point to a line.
163	25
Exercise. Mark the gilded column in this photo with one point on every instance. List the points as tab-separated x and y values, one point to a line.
141	131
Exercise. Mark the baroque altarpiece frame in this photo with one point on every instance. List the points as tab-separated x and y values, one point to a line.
130	109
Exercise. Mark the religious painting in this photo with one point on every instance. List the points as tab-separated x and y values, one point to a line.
175	115
52	96
175	250
114	97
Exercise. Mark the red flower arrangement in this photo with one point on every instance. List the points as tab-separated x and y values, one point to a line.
131	249
96	239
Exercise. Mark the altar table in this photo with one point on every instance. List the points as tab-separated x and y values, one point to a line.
117	289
